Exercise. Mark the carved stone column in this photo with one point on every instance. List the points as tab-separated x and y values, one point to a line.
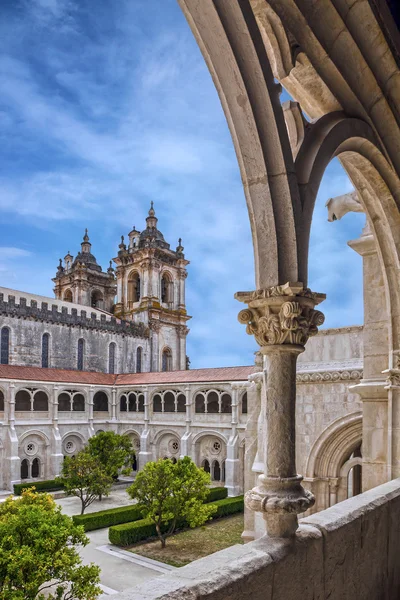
186	440
145	454
281	319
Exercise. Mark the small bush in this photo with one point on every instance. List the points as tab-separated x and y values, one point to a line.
217	493
105	518
143	529
50	485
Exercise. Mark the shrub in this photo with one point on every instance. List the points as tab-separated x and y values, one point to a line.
105	518
217	493
143	529
40	486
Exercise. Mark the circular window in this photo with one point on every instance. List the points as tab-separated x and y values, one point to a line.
174	446
216	447
70	447
31	448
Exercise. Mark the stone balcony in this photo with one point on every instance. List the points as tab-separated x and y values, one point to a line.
350	551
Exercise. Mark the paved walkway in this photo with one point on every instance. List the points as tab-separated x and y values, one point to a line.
118	571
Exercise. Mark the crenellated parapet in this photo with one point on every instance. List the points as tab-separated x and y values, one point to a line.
71	317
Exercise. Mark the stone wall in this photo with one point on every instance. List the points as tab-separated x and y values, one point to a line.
347	552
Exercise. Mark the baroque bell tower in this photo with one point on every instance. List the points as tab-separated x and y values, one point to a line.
151	290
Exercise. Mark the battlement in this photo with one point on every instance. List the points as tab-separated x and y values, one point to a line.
71	317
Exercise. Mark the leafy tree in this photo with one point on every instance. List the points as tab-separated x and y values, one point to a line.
168	493
37	552
115	452
85	477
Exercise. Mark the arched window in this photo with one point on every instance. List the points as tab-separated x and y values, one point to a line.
132	402
45	350
81	350
226	403
35	468
200	405
64	402
216	471
40	401
223	471
167	360
24	469
111	358
169	402
212	402
123	406
206	466
181	403
157	404
134	463
244	404
23	400
78	403
139	352
134	288
100	402
68	296
166	289
5	346
97	299
141	403
1	401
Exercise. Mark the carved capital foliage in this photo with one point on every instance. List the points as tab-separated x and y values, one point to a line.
282	314
183	330
393	378
182	274
155	326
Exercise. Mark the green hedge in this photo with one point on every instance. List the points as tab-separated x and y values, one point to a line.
50	485
105	518
128	514
130	533
217	493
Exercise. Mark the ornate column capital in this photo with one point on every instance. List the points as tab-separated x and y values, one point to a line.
281	315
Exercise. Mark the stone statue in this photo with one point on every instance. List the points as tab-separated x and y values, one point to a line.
341	205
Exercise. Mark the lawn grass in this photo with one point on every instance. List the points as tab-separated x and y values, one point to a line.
184	547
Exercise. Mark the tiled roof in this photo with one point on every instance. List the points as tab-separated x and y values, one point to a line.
85	377
56	375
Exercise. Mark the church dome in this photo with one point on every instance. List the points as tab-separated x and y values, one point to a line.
85	256
151	235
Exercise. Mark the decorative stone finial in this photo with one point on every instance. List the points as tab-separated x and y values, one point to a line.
179	247
86	237
152	212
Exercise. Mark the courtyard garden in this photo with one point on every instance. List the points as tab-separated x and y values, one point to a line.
187	546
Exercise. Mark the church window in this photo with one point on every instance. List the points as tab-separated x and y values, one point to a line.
216	471
226	403
139	352
5	346
132	402
212	402
166	289
200	404
123	407
68	296
244	404
134	288
22	400
45	350
25	469
35	468
81	348
157	403
111	358
181	403
64	402
167	360
141	403
78	403
97	299
100	402
206	465
40	401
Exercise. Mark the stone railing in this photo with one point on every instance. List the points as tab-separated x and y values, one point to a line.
72	317
347	552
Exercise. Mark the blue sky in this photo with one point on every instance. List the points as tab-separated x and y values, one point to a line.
105	106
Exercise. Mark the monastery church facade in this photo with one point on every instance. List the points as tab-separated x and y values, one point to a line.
82	363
